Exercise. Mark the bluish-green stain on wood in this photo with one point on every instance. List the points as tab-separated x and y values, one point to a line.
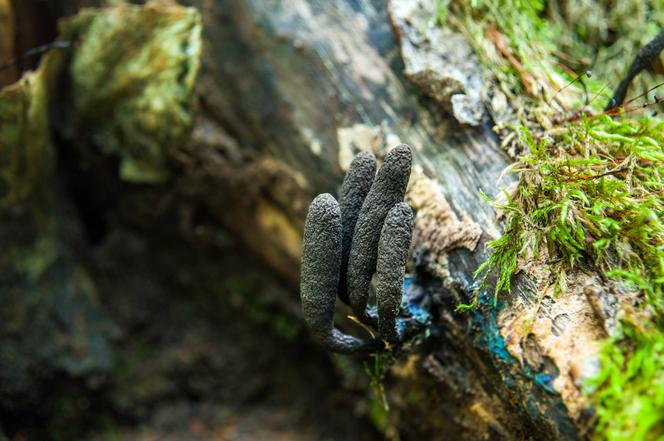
546	381
486	315
541	399
410	301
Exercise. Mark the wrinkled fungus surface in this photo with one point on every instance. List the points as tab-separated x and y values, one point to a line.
365	236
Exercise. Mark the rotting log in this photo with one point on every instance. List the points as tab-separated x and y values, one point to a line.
288	93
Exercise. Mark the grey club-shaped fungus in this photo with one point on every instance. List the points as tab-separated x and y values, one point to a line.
367	233
319	280
388	189
390	268
354	189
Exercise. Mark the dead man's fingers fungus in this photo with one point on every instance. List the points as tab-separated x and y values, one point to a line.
354	189
393	250
388	189
346	243
321	261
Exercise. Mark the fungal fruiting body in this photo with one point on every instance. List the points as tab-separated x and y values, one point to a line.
321	262
387	189
347	243
390	268
354	190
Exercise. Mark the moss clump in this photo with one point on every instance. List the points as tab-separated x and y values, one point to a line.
510	36
601	35
590	194
590	197
537	54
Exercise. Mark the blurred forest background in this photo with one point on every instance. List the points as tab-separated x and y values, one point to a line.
156	165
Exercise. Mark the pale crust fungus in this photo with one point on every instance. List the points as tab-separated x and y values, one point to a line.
436	226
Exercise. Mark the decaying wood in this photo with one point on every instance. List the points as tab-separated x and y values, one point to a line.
289	93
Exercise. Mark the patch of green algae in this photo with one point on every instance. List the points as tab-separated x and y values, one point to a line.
48	298
131	74
590	190
27	164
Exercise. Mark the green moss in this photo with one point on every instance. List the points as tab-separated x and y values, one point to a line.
589	197
108	426
589	193
602	35
376	373
533	51
628	393
379	408
379	415
263	313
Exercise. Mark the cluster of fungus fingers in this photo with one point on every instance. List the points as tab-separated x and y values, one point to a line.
347	244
